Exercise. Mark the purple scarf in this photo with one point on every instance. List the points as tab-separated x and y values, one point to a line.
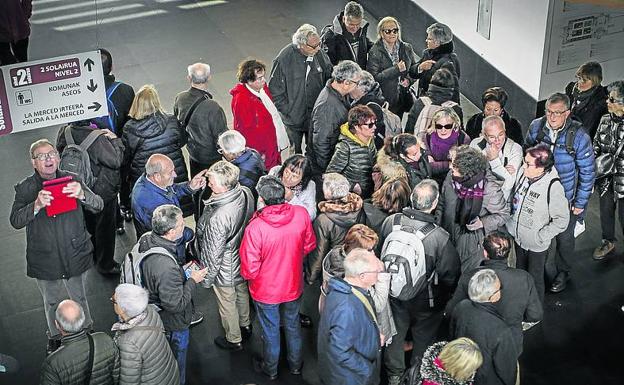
439	147
470	197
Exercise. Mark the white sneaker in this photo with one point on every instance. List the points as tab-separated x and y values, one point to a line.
528	325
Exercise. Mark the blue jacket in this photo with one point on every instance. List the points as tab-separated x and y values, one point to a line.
348	339
146	196
251	168
577	173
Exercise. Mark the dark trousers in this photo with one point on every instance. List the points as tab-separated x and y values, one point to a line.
423	321
607	214
198	206
11	53
296	135
565	246
102	229
533	262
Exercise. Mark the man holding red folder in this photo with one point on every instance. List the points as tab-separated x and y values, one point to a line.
58	247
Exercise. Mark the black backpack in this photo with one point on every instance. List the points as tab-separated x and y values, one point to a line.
569	139
412	375
75	158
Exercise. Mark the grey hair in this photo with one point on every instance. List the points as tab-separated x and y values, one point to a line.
132	299
37	144
357	262
70	325
424	195
153	165
353	10
367	82
482	286
493	120
165	218
618	87
302	34
232	142
225	174
346	70
440	32
558	97
335	186
199	73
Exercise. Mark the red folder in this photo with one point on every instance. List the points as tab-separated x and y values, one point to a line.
61	202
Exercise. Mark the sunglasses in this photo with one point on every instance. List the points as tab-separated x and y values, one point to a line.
314	46
444	126
369	125
389	31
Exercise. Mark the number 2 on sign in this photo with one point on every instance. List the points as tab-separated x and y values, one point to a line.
22	77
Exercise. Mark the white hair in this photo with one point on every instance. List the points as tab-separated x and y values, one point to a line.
335	186
303	33
357	262
67	324
132	299
482	286
225	174
232	142
199	73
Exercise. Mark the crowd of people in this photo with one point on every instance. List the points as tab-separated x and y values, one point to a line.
429	238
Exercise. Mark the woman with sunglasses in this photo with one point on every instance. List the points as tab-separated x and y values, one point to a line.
444	133
588	96
392	61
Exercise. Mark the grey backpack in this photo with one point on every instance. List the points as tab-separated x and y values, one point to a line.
75	158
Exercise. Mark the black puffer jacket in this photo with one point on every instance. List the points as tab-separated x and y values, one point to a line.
588	107
387	74
105	155
609	136
438	95
444	57
513	128
68	365
355	160
337	41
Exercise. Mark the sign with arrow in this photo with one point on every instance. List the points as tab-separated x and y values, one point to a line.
50	92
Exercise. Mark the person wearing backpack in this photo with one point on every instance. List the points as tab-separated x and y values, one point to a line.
422	314
104	152
575	163
439	94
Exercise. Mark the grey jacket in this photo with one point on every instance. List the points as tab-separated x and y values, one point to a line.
219	233
146	358
511	155
293	93
68	365
494	214
540	211
330	112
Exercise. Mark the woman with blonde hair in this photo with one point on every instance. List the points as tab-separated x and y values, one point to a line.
150	130
450	363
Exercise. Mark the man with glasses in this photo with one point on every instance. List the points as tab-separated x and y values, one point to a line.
58	247
423	313
574	161
299	72
477	318
346	38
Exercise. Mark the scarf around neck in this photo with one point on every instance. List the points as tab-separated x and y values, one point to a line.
440	147
470	193
280	129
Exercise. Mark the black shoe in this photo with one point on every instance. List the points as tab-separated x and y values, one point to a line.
258	367
53	345
227	345
305	321
297	371
197	317
560	282
120	230
246	332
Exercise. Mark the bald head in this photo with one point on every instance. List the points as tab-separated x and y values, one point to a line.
160	170
199	74
70	317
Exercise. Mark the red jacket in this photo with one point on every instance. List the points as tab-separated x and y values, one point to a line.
272	250
255	123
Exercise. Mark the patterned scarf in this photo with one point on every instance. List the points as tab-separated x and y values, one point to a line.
470	191
440	147
393	52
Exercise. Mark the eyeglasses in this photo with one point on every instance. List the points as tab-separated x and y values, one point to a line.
556	114
373	272
444	126
45	156
611	99
314	46
369	125
581	79
220	151
528	164
350	81
113	300
496	292
391	31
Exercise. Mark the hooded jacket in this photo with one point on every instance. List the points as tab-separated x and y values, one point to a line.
539	211
255	123
431	371
354	159
348	338
275	242
219	234
146	358
330	227
337	41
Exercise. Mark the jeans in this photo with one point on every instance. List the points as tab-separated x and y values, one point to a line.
565	246
53	292
269	318
607	214
233	305
533	262
179	341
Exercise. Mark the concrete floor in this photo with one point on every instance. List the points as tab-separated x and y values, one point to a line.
579	341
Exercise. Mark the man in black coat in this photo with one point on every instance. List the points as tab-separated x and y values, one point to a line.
347	38
521	303
423	313
58	249
478	319
106	157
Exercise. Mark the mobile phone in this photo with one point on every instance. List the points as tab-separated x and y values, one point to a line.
194	266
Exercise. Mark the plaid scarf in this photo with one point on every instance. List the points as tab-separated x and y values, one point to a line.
470	191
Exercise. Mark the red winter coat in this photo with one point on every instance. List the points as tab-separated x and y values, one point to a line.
255	123
272	250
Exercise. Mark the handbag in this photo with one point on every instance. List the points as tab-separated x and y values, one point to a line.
605	163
